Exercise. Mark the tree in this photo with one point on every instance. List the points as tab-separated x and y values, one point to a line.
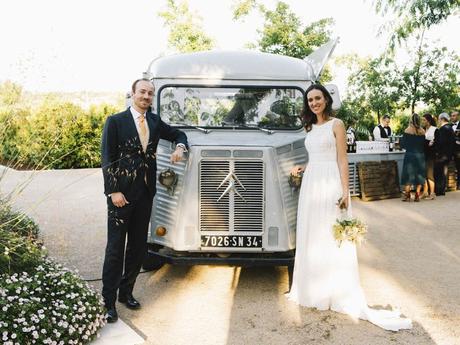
283	32
379	86
413	16
186	32
374	85
10	93
241	8
431	79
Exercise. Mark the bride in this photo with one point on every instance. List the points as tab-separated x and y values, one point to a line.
326	275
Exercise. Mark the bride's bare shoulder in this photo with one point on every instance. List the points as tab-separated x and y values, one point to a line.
337	123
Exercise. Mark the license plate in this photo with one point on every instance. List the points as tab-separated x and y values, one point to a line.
231	241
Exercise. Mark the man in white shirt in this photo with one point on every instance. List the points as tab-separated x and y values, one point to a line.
383	130
129	144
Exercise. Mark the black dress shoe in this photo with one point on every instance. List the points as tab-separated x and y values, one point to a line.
112	315
129	301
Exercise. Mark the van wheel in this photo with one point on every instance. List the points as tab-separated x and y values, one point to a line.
151	261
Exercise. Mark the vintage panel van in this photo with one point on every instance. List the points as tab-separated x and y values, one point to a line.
232	200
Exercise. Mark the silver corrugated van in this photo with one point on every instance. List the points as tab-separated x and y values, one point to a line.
231	201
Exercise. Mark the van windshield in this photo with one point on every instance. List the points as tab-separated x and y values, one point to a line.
271	108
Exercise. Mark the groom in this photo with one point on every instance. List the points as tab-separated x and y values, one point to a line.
129	143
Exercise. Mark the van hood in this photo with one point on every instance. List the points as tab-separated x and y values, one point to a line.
240	137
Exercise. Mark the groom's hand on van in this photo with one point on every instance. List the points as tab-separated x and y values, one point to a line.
177	154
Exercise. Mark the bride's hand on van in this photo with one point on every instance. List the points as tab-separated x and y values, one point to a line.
297	170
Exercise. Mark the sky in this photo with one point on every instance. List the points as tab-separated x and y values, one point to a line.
102	45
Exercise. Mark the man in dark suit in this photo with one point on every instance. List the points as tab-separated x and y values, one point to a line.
455	123
444	147
129	143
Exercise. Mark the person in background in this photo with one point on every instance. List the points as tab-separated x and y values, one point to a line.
444	151
429	124
413	171
351	138
383	130
454	119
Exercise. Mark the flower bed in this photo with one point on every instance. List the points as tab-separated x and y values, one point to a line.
41	302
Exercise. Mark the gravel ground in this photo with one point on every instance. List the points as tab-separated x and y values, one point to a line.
411	261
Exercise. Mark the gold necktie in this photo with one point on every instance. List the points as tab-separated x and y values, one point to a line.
143	132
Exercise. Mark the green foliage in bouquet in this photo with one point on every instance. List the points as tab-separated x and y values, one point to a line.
352	230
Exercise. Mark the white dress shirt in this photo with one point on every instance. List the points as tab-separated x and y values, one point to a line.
454	126
136	115
376	133
429	133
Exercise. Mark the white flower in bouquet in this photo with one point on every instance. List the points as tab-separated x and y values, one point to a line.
352	230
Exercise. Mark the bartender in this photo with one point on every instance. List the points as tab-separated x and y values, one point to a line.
383	131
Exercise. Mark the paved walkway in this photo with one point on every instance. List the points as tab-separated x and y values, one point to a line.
411	260
118	333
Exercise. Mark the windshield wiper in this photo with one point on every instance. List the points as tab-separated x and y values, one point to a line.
268	131
236	125
204	130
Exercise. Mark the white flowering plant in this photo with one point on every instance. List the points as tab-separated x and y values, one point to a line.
41	302
52	305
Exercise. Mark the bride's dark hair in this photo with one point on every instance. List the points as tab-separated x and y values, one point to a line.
308	116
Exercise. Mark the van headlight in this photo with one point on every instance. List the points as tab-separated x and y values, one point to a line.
295	180
168	178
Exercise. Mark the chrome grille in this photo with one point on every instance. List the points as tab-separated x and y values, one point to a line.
249	213
214	216
232	213
165	207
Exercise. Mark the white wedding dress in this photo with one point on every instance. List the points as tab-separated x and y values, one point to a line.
326	275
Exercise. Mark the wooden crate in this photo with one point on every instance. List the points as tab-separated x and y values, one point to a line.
451	177
378	180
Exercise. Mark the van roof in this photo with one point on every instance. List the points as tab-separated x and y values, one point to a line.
218	64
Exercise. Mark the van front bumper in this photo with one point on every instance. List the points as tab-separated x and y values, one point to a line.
234	259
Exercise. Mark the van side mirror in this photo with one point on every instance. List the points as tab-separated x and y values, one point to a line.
334	91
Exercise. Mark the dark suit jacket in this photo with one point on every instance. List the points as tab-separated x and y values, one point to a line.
444	143
124	163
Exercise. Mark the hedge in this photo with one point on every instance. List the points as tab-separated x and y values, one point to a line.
55	135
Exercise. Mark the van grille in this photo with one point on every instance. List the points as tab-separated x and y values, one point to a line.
249	213
214	216
231	212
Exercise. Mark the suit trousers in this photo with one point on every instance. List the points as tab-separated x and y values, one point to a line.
457	164
122	265
440	175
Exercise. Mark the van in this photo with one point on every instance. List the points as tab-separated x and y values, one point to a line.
232	200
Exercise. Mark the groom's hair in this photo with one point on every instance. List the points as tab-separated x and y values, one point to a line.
133	87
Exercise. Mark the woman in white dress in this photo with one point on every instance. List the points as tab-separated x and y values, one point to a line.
326	275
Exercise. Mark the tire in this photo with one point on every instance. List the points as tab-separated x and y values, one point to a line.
151	261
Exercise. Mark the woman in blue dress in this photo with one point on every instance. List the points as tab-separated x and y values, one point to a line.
414	171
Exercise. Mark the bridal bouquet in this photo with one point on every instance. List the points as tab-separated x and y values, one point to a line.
352	230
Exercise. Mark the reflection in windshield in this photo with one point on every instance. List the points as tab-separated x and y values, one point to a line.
231	107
